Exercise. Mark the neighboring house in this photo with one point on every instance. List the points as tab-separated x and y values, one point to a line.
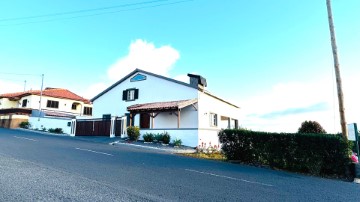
55	103
156	104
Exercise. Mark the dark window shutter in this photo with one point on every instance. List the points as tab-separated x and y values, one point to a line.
136	96
127	119
124	95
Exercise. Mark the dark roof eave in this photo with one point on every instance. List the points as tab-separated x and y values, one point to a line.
209	94
138	111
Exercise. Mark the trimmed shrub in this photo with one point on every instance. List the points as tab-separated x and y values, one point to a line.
317	154
158	137
148	137
133	132
56	130
25	124
311	127
177	142
165	137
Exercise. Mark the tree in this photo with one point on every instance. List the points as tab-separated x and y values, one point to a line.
311	127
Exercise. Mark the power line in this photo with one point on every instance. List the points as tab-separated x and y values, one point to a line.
95	14
19	74
78	11
7	79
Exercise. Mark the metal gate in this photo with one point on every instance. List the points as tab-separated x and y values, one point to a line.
93	127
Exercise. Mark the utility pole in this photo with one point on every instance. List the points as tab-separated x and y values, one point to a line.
41	92
24	85
337	72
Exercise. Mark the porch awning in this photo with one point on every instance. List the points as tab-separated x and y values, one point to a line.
161	106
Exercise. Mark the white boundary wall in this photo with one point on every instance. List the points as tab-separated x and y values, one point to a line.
50	123
189	137
209	137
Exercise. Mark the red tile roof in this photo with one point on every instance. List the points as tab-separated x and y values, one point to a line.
161	106
49	92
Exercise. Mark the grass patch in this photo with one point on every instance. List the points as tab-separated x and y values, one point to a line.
213	156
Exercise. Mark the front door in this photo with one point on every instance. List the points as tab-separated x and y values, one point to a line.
145	120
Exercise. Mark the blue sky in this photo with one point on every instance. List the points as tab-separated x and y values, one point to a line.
273	58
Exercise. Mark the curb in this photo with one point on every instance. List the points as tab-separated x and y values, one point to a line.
177	151
43	132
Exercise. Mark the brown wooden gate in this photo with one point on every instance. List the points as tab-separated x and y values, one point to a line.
93	127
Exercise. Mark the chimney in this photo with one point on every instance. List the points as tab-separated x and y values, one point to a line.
197	81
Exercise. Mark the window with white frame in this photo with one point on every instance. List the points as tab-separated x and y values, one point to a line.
213	119
130	94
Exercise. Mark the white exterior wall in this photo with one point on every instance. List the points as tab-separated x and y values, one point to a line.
153	89
6	103
50	123
208	104
14	116
208	137
188	137
64	104
166	120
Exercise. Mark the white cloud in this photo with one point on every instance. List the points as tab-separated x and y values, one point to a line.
94	90
288	104
10	87
145	56
182	77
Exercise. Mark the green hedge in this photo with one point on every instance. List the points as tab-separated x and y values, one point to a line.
318	154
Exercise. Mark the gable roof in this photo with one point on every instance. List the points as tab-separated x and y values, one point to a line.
139	71
222	100
49	92
161	77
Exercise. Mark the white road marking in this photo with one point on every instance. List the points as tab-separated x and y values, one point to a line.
94	151
231	178
25	138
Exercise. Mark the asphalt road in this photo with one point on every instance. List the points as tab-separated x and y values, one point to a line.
36	167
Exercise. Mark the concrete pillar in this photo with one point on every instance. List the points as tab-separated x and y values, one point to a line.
112	127
73	127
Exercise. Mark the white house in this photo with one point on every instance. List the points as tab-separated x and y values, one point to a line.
50	108
156	104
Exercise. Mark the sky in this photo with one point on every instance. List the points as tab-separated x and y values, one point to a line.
271	58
